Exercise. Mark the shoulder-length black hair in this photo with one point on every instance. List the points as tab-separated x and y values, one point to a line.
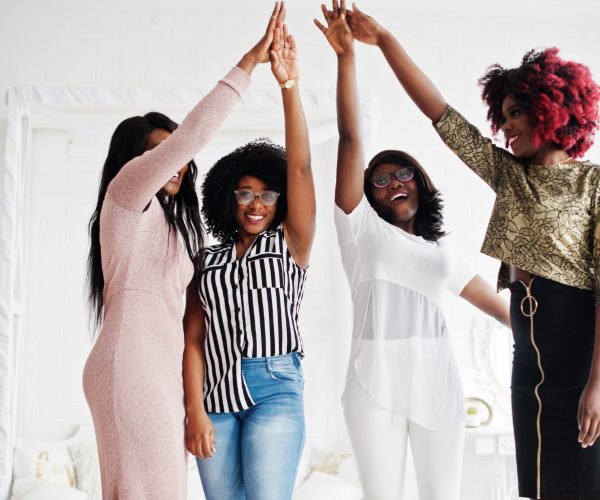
429	218
261	159
182	211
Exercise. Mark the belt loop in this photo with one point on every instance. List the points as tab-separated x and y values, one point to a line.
268	364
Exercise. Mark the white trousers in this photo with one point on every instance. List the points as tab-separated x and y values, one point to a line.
380	439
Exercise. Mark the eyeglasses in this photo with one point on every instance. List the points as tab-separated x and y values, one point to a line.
382	180
247	196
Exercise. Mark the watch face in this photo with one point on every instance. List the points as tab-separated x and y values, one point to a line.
289	84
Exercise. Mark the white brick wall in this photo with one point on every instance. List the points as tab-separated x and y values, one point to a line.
188	43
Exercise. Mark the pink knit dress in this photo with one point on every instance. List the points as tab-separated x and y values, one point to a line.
133	376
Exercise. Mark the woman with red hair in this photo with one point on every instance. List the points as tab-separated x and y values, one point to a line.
545	230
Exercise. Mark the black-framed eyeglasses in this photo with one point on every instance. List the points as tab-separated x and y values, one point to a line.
247	196
383	179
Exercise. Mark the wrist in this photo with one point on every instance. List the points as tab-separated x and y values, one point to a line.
289	84
195	411
382	37
248	62
347	55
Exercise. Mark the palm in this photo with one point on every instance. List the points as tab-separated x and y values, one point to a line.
285	66
339	36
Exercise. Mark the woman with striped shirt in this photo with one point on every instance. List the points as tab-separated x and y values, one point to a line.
242	373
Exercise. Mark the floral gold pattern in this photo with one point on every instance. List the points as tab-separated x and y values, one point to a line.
544	219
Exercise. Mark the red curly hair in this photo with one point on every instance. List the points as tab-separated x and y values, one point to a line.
560	97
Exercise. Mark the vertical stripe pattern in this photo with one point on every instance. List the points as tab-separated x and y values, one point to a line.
251	308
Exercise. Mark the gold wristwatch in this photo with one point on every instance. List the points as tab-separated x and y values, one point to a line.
288	84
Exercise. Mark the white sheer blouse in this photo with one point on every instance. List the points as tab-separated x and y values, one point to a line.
400	346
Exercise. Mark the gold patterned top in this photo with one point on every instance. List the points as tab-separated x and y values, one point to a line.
545	218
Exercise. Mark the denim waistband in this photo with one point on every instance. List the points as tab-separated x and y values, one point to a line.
292	357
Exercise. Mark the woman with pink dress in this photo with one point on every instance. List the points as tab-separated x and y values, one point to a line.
146	237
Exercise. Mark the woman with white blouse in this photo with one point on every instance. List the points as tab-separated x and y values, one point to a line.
403	382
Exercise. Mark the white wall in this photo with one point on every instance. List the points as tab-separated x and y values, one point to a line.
186	43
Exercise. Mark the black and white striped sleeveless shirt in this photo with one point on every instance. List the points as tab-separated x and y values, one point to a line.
251	307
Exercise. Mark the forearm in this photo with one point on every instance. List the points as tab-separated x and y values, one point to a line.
142	177
416	83
193	379
347	102
296	132
594	377
248	63
350	164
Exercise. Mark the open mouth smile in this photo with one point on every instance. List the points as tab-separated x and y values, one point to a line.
400	197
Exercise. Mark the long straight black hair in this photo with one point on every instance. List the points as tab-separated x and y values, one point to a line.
182	211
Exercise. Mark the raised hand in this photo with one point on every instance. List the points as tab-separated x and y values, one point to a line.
261	50
284	60
337	32
364	28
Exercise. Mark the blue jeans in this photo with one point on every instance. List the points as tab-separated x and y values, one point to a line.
258	449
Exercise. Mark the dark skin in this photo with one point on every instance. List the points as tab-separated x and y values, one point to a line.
351	162
397	203
278	47
429	100
171	188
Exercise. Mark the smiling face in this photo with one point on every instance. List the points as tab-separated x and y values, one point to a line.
518	129
398	202
254	218
171	188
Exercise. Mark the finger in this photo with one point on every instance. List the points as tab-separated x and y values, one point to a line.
343	8
589	438
355	8
276	45
326	13
195	449
206	446
592	434
286	37
274	60
292	43
585	427
320	26
336	9
213	445
283	12
274	16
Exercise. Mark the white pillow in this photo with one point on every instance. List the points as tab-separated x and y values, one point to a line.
303	468
87	468
321	486
30	488
348	470
43	460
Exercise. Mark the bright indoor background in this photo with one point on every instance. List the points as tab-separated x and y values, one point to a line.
82	66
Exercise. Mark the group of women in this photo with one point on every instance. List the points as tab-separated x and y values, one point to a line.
222	377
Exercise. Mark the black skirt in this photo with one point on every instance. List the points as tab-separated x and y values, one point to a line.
552	358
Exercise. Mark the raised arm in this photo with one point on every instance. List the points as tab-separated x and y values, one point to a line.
299	224
350	162
142	177
416	83
199	431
